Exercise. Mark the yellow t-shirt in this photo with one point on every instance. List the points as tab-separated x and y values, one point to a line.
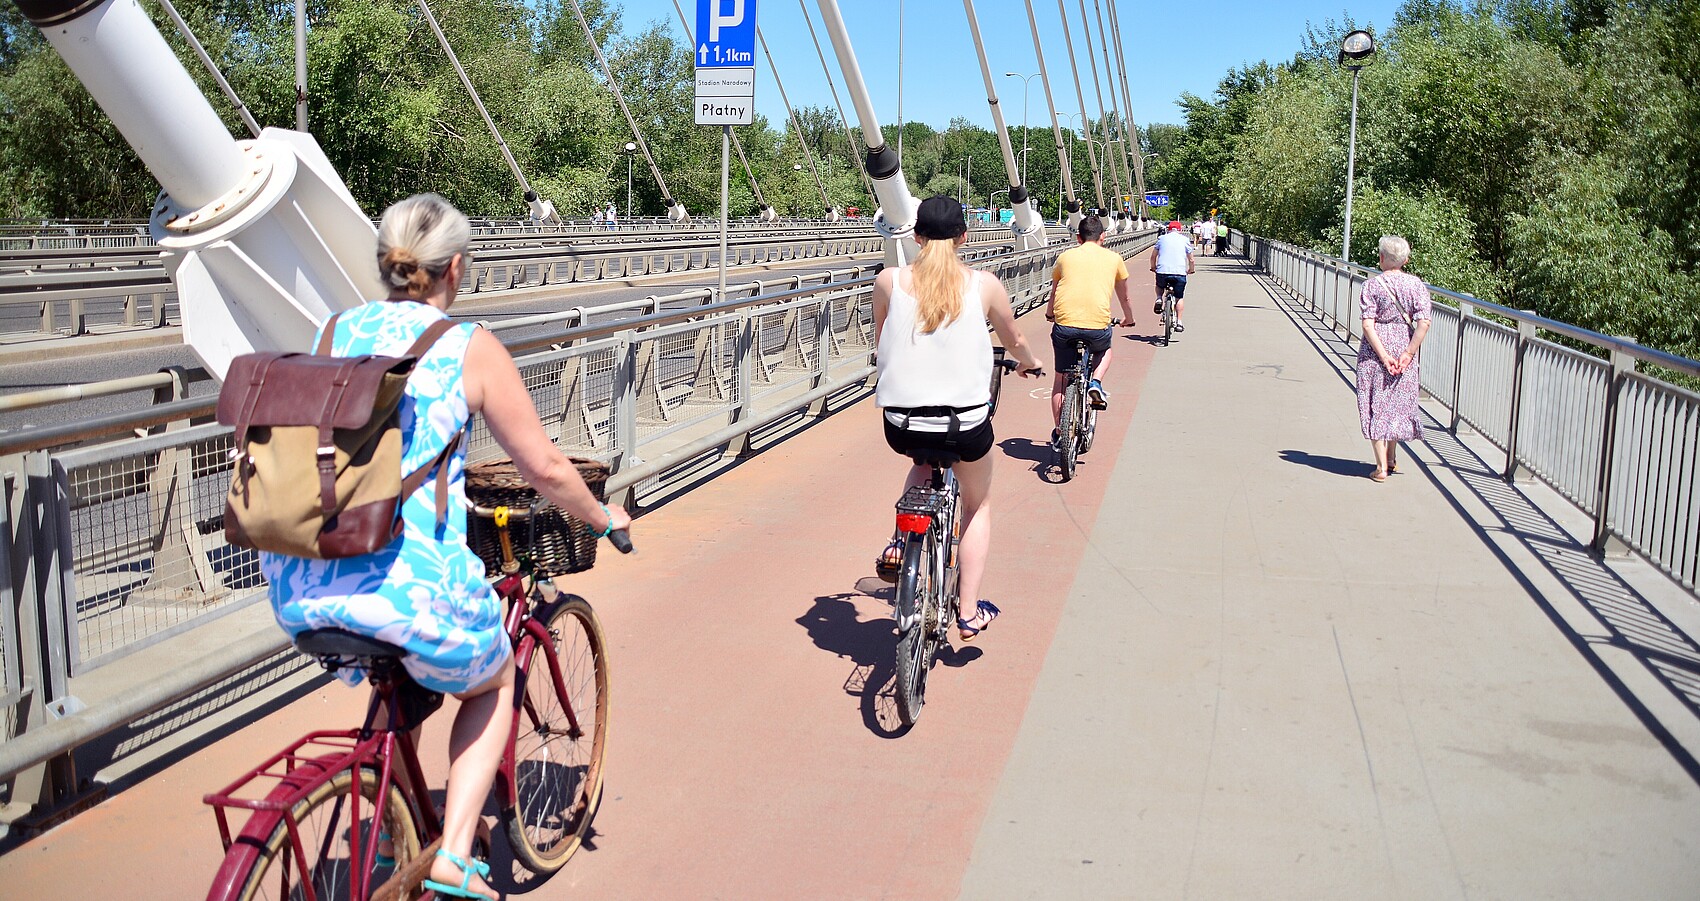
1086	278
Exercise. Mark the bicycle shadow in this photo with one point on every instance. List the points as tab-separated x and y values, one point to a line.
1153	340
834	624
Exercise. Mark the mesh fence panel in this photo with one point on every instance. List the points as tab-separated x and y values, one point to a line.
148	546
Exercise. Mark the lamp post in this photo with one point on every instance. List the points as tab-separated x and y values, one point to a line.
1356	52
1026	82
797	168
631	148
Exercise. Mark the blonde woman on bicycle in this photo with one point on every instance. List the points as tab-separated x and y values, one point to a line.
426	591
935	374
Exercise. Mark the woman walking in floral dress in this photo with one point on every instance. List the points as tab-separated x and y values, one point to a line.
1395	312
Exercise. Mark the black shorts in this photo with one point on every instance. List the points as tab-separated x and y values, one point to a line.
1178	282
969	444
1063	338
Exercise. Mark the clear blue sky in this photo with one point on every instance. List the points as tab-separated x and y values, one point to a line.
1171	47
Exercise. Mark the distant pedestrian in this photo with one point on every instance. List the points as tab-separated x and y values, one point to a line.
1395	309
596	216
610	215
1221	237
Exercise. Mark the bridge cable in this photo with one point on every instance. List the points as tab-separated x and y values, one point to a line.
1025	223
206	60
1056	128
796	124
1123	186
737	144
637	133
1085	121
849	136
478	102
1127	122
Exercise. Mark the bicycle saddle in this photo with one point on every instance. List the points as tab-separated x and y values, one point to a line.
941	458
343	643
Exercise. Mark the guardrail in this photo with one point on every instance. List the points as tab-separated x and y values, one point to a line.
61	290
120	545
1622	445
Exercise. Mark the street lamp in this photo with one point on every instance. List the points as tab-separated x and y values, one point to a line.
1356	52
631	148
1026	82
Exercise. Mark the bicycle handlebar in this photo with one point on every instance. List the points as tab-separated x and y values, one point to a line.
621	541
1011	366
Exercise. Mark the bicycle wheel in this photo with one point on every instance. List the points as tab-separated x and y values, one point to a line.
1168	318
915	601
323	822
558	771
1068	443
997	389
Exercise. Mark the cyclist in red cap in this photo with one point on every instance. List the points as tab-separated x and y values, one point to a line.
1173	261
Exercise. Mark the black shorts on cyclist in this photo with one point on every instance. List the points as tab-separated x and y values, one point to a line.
1063	341
1176	283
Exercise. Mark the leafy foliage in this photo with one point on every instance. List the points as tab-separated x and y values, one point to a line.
1539	153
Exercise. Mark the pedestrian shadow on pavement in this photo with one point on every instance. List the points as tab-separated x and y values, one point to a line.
1335	465
1153	340
1629	621
834	624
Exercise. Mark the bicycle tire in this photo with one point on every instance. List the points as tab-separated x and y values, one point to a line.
1069	429
318	844
914	644
558	776
1168	318
997	390
1090	431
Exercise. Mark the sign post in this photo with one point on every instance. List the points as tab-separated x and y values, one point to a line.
726	85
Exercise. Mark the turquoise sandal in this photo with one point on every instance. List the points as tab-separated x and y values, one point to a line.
381	860
969	633
467	870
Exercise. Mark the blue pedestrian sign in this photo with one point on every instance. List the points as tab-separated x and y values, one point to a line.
726	34
725	60
1156	200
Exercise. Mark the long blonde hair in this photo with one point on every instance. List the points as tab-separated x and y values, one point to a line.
936	279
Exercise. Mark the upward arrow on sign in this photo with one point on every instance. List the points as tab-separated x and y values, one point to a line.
702	55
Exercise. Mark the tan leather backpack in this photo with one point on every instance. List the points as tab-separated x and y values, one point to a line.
317	421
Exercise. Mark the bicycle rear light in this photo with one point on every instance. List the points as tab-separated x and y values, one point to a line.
914	523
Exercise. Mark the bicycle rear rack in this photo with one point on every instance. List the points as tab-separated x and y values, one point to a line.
296	768
923	499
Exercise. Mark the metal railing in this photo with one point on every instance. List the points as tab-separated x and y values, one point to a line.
60	291
122	543
1566	405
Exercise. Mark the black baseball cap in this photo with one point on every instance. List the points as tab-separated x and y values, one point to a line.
939	218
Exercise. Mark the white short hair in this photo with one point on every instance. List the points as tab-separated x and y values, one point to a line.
1396	250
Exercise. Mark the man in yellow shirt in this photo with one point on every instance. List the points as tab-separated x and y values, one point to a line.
1082	283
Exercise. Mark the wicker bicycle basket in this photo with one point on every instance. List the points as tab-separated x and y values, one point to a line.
558	543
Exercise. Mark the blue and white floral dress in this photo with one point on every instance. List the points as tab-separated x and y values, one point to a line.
426	591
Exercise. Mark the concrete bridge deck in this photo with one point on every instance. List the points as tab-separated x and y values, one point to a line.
1230	665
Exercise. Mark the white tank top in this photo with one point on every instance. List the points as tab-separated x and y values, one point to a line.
950	367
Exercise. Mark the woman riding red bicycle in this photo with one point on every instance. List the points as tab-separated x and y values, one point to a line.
427	592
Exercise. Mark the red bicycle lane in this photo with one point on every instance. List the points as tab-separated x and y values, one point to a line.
751	751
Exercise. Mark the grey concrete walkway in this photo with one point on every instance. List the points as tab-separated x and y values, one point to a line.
1275	678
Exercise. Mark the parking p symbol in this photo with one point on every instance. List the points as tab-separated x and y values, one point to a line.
716	19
